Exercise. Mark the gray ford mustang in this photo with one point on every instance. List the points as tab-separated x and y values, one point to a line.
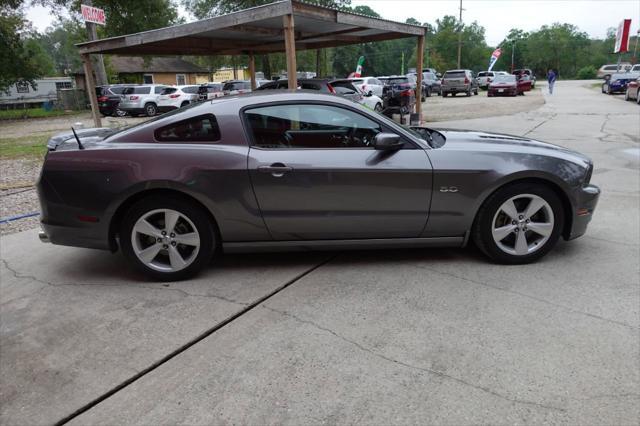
274	171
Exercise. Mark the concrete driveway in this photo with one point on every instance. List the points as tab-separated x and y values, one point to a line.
386	337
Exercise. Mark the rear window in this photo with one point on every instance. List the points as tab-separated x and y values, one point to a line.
190	89
136	91
310	86
238	85
203	128
485	74
117	90
168	90
611	67
397	80
454	74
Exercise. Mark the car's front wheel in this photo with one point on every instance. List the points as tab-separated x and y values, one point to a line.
519	223
168	238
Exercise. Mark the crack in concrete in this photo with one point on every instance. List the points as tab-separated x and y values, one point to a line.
553	115
611	241
416	367
528	296
19	275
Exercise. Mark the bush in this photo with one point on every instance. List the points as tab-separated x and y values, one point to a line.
587	73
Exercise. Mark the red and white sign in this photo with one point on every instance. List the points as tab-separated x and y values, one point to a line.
92	14
622	37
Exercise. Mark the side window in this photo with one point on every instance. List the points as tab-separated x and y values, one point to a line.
310	127
203	128
158	89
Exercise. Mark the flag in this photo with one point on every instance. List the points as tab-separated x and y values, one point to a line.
494	57
358	72
622	37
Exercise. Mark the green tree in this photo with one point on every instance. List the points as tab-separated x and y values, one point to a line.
17	54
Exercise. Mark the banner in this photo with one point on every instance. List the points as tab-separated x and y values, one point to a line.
92	14
494	57
358	72
622	37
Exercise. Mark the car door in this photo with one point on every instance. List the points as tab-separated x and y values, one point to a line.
316	175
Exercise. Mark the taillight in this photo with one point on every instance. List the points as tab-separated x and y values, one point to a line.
406	93
134	98
331	89
466	80
103	99
174	96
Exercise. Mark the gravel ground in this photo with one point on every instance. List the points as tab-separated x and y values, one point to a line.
17	176
460	107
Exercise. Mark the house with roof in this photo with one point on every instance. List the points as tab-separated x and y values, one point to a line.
156	70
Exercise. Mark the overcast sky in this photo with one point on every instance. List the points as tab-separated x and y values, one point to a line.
496	16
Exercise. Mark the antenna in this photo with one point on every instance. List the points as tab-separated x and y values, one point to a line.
80	146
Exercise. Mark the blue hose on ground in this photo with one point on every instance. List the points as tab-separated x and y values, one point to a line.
18	217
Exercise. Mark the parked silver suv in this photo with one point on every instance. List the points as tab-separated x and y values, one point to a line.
459	81
142	99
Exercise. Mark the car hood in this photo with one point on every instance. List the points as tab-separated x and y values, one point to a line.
474	141
66	140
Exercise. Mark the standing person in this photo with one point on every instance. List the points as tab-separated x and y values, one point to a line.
551	78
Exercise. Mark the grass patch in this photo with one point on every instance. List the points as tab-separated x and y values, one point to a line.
23	147
19	114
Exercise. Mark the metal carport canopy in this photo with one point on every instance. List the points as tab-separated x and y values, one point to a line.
283	26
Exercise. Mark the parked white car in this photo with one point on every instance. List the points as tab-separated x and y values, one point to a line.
177	97
371	101
368	85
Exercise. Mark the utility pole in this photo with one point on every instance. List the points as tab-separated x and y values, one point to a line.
402	65
513	52
98	60
460	34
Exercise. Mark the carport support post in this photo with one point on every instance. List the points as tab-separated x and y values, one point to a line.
252	70
290	47
91	89
419	61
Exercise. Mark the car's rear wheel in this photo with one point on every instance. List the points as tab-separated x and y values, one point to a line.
150	109
476	92
469	92
519	223
167	238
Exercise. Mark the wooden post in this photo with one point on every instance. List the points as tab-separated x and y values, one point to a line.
252	71
290	47
91	89
419	63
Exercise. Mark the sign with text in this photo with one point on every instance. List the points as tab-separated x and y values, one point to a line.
494	57
92	14
622	37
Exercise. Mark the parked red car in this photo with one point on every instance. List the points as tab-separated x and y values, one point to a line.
508	85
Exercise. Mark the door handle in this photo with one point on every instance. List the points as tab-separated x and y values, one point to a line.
276	169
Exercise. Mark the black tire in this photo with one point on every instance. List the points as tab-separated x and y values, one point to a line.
150	109
378	108
483	225
184	104
469	92
444	94
609	92
475	92
428	92
603	88
196	214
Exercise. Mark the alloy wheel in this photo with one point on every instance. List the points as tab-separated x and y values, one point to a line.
165	240
522	224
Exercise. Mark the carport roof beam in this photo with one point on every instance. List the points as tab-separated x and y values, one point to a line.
258	29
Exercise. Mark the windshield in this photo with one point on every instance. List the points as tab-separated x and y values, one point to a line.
454	74
397	80
236	85
505	79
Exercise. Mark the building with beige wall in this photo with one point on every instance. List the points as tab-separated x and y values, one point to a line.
158	70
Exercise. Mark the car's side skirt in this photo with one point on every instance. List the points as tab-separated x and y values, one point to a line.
364	244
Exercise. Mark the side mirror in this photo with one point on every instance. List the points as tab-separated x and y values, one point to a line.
387	142
370	93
